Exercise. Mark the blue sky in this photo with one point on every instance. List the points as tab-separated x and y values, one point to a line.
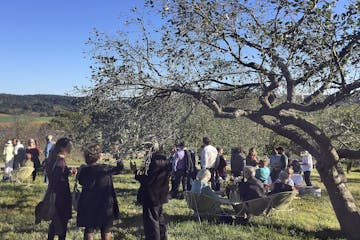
42	42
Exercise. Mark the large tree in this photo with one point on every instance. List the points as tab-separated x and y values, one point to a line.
295	56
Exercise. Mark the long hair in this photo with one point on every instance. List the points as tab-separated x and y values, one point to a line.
54	152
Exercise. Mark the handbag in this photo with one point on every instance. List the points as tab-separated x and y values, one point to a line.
75	195
45	210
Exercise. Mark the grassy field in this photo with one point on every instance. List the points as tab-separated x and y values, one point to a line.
6	118
311	217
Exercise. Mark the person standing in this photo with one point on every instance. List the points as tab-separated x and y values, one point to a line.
208	159
58	174
237	161
221	169
284	160
33	149
48	146
179	170
8	154
307	166
252	158
191	170
153	193
275	165
19	153
98	206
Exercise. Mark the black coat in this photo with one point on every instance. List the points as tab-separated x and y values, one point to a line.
251	189
281	187
97	204
154	188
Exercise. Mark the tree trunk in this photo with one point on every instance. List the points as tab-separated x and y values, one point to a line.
343	203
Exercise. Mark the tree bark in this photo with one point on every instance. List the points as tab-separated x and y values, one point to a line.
344	204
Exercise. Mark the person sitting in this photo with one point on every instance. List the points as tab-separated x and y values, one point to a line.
263	172
290	172
282	185
98	206
237	161
297	178
252	188
201	184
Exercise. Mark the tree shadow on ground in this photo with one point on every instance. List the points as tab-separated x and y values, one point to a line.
325	233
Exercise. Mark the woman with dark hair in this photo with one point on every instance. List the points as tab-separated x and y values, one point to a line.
98	206
58	174
252	158
33	149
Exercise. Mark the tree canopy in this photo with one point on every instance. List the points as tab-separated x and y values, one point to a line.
294	57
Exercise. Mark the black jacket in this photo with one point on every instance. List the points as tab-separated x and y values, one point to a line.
97	204
281	187
251	189
154	188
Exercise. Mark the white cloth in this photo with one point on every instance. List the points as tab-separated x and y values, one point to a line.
17	147
307	162
297	179
9	158
208	157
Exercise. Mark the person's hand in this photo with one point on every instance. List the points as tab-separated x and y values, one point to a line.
73	171
133	167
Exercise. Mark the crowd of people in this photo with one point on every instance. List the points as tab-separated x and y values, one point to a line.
268	174
204	173
16	156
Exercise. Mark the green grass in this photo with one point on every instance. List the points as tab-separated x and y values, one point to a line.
6	118
311	217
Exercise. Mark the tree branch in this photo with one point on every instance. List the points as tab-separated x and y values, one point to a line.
349	154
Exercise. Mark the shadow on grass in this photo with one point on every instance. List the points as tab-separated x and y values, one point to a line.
325	233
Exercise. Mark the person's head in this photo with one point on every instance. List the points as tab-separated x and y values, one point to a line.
173	149
31	142
203	175
18	141
275	151
283	176
206	141
220	150
249	172
14	141
252	151
49	138
280	150
263	162
62	146
28	156
181	144
92	153
289	171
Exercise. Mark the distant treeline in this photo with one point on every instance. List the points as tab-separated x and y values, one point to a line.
44	105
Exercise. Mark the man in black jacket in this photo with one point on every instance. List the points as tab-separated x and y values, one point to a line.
153	193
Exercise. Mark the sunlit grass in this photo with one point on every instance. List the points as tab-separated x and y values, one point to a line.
310	218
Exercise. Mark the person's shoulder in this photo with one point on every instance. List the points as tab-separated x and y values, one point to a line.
61	162
159	156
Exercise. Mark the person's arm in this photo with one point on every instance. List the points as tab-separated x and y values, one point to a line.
116	169
175	162
202	159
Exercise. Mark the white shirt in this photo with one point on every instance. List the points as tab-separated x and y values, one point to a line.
17	147
208	157
307	162
297	179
